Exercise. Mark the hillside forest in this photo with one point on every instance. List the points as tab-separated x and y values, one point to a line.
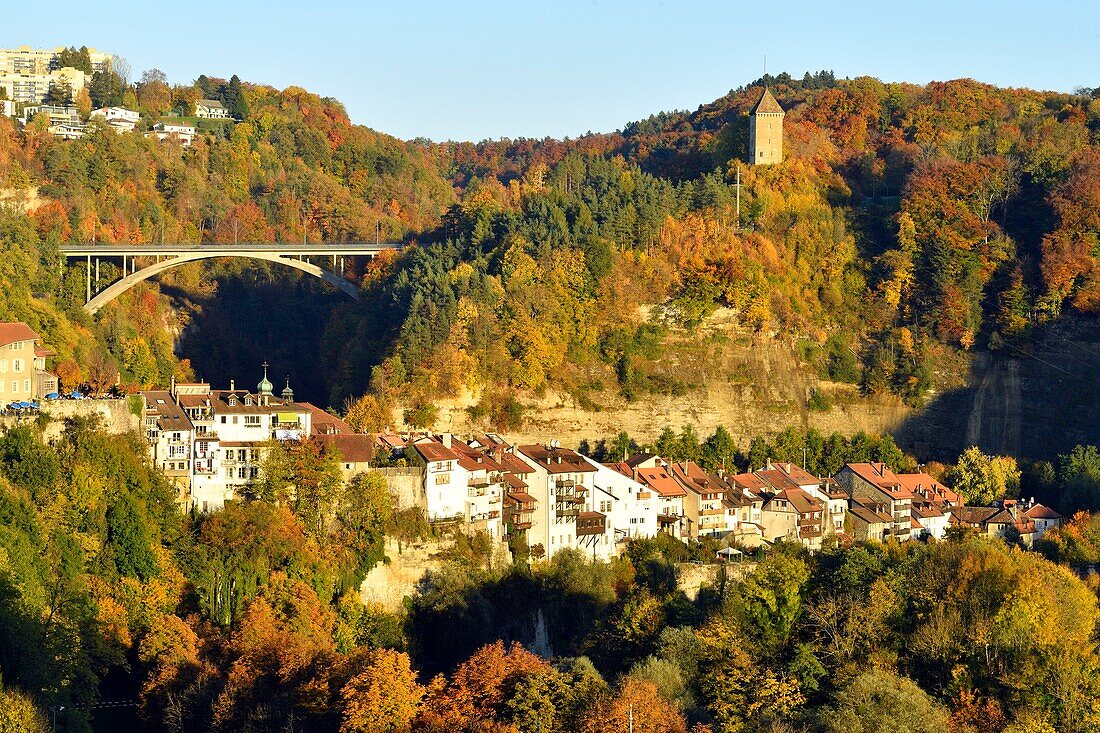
907	225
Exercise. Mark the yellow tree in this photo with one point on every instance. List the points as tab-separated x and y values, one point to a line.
384	698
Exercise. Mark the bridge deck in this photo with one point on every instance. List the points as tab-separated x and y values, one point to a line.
227	250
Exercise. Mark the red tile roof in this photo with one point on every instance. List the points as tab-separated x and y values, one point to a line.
660	481
880	475
353	448
1039	511
556	460
434	452
921	483
13	332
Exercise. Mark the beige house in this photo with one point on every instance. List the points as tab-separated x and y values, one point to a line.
23	375
766	130
877	482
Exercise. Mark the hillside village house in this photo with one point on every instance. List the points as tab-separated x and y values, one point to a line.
629	506
931	504
877	482
1026	520
173	131
670	495
23	375
869	519
211	109
705	505
560	482
119	118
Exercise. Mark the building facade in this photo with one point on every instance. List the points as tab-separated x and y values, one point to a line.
23	375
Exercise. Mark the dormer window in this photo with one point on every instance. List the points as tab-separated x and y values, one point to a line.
232	401
248	401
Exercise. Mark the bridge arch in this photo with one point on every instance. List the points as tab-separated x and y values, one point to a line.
121	286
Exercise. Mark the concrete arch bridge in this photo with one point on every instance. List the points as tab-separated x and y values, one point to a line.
143	261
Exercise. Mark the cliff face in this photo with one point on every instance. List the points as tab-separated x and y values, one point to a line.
1035	402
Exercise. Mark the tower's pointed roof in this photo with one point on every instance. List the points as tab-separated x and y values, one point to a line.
265	386
767	103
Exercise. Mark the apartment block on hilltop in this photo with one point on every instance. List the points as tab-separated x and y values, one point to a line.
28	74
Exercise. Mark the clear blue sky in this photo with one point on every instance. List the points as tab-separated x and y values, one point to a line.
475	70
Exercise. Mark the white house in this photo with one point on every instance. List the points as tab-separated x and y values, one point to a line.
173	131
120	118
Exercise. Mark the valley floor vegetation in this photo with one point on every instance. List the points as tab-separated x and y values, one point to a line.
249	619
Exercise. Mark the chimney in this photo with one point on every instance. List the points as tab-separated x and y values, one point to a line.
232	386
768	466
446	438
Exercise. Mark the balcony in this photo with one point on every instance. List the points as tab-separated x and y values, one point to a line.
564	510
565	483
591	523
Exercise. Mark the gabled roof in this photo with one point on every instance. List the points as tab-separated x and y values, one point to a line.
868	515
767	104
880	476
639	458
556	460
660	481
353	448
691	476
515	465
921	483
799	500
211	103
433	451
749	481
1038	511
13	332
977	515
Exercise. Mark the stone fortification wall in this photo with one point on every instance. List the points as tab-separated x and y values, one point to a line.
115	416
407	485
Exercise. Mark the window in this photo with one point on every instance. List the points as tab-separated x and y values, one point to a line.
251	420
17	365
223	419
241	472
442	478
26	385
3	366
15	385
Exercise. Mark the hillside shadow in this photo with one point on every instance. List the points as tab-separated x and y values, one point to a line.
250	320
1033	401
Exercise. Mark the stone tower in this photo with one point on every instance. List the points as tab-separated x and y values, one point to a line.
766	130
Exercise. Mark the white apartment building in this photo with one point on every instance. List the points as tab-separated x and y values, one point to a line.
171	437
559	483
27	74
445	481
630	506
119	118
228	433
